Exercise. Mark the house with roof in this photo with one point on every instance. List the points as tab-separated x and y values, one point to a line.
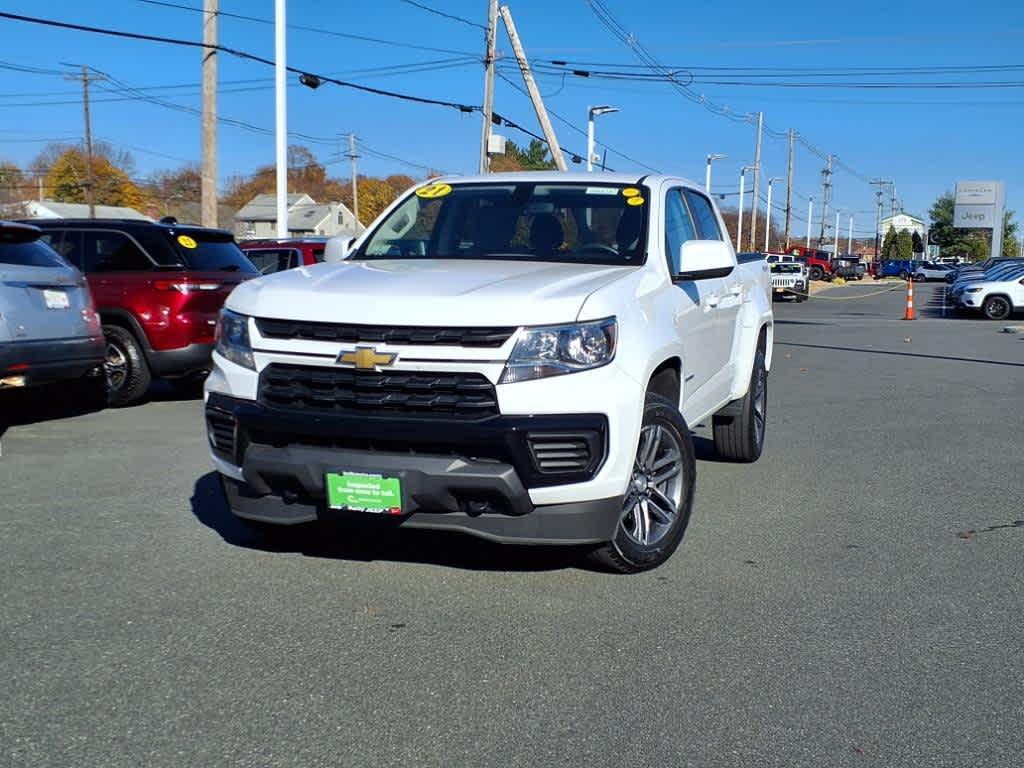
51	209
306	217
901	221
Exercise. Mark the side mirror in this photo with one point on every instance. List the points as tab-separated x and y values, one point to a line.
338	249
704	259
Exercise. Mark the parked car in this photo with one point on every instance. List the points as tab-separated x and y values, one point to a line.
901	268
158	288
790	278
955	292
515	357
819	262
848	268
49	329
269	256
928	270
997	298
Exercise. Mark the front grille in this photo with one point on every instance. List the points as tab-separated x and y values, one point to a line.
413	335
562	452
220	427
344	390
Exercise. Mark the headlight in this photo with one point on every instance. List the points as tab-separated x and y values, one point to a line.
971	290
558	349
231	339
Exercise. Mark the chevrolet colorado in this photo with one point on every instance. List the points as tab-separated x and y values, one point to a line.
517	356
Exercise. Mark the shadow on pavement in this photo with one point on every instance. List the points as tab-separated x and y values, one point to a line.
835	348
375	540
20	407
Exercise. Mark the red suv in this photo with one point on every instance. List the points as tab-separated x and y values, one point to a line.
158	289
277	255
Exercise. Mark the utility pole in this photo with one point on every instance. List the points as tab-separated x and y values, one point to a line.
488	110
878	213
892	210
789	184
208	184
835	238
849	238
281	110
826	197
756	196
90	179
531	86
355	178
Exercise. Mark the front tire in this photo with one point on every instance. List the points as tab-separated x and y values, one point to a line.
739	428
128	375
657	505
997	308
817	273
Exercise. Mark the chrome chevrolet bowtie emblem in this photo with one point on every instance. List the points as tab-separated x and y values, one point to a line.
366	358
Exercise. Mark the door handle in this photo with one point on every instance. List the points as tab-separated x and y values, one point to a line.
735	290
712	301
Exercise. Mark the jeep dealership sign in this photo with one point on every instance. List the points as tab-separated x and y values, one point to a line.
980	205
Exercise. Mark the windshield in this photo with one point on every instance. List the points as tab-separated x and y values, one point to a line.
212	254
567	222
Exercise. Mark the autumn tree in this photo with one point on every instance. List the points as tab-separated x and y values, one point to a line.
67	180
12	183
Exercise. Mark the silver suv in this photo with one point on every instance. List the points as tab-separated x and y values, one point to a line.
49	329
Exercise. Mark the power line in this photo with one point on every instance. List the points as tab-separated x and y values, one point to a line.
451	16
238	53
318	30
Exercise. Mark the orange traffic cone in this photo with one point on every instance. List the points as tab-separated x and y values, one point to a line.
909	314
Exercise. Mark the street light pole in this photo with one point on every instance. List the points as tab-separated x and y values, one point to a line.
768	214
281	108
810	215
835	237
849	237
592	113
707	171
739	220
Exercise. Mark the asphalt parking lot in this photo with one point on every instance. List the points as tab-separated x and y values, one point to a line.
853	599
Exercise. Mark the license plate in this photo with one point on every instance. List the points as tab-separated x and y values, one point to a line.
359	492
56	299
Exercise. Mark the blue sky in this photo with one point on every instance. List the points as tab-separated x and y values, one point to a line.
924	138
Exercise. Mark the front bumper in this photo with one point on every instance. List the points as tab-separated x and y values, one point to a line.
470	476
51	359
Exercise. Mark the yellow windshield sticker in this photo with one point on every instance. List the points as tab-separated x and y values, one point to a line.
431	191
634	201
186	242
631	192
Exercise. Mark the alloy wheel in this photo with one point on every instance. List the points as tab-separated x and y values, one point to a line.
115	365
655	490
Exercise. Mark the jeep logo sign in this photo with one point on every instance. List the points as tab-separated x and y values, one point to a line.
979	205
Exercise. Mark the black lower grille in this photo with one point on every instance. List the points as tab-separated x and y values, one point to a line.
344	390
563	452
221	429
414	335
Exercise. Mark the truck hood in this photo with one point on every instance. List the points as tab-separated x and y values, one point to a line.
426	292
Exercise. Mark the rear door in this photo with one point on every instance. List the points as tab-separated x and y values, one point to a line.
41	296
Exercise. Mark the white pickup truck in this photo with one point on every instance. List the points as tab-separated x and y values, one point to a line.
519	357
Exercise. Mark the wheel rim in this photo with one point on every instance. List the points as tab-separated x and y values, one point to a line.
115	365
760	405
655	492
997	308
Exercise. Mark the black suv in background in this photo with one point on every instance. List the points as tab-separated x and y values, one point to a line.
158	289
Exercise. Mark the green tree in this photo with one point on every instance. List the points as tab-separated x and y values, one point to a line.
889	250
905	244
535	157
